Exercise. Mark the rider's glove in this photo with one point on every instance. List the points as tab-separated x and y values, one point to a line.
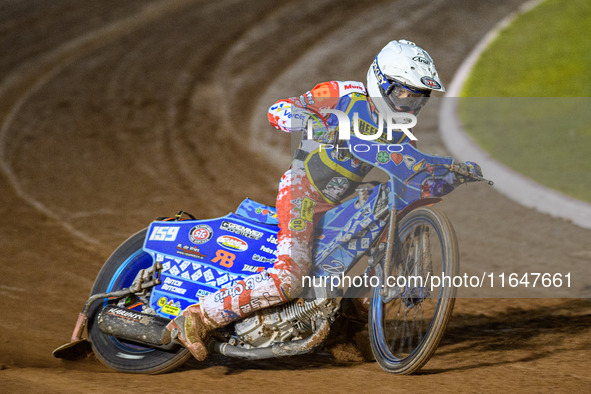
474	168
471	168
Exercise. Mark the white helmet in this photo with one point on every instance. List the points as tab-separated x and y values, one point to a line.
402	77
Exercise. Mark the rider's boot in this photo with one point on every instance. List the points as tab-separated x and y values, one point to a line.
192	330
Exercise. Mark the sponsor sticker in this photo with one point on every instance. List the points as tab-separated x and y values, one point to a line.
430	82
126	313
262	259
354	87
383	157
252	268
297	224
202	293
397	158
190	251
334	267
164	233
223	258
173	285
268	250
417	167
307	209
421	59
241	230
232	243
171	310
336	187
409	161
200	234
266	212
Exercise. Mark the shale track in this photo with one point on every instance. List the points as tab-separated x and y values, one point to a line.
115	112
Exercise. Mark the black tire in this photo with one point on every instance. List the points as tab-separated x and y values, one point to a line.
406	326
119	272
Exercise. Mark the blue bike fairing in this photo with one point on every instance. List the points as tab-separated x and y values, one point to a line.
201	256
403	163
345	232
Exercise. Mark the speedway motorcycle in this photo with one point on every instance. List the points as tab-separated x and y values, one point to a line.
387	231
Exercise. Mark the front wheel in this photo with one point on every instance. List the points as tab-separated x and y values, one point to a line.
408	319
117	273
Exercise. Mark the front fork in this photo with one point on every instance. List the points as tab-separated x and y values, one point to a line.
390	240
416	262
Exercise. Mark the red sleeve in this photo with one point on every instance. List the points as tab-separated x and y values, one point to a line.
322	96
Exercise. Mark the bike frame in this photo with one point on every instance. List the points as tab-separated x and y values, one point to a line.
199	257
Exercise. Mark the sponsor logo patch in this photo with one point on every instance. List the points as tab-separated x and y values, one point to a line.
430	82
252	268
297	224
164	233
334	267
232	243
223	258
171	310
383	157
241	230
420	59
307	209
200	234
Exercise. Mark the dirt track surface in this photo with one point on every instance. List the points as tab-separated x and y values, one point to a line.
115	112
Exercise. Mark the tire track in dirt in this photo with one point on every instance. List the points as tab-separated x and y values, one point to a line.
47	67
170	164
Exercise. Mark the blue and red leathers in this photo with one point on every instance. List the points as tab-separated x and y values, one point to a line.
318	179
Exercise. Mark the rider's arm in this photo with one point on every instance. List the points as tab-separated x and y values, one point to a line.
441	181
442	185
293	114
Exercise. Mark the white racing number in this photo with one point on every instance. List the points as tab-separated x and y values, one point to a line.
164	233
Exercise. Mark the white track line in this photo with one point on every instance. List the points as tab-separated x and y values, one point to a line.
517	187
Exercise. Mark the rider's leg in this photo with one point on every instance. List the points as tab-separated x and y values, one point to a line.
299	206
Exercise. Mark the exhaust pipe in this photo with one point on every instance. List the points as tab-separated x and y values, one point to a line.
136	327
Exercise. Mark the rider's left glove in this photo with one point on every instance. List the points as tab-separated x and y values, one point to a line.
474	168
468	167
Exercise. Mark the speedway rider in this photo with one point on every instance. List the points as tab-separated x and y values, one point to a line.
400	79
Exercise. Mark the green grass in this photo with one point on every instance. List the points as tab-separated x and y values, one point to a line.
527	99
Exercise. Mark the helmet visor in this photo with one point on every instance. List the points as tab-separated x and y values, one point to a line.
402	98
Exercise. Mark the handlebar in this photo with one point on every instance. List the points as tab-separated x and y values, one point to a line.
455	169
458	170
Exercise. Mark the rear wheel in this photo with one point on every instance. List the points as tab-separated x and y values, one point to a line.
408	322
117	273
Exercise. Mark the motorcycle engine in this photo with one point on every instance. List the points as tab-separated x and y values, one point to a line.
288	322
